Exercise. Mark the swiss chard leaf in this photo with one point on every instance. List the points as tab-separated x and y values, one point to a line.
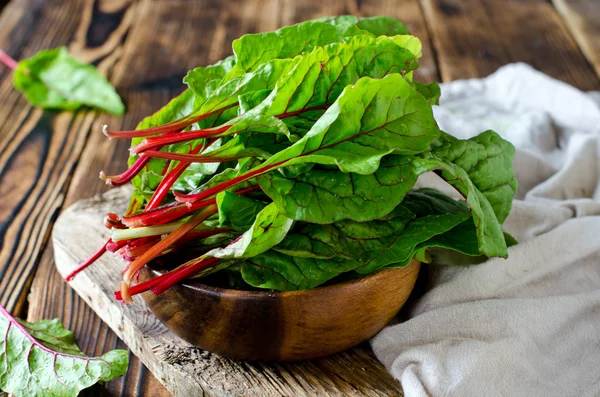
41	359
203	80
238	211
489	230
487	160
370	119
269	228
252	50
383	241
326	196
319	77
378	26
53	79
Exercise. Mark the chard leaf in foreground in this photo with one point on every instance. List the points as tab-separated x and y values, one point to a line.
41	359
269	228
53	79
487	160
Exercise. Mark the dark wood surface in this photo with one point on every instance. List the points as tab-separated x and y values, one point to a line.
50	160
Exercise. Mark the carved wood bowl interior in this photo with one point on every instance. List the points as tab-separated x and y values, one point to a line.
283	326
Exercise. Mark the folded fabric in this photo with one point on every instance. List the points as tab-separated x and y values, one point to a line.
528	325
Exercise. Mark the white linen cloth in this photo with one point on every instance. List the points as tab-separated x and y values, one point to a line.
528	325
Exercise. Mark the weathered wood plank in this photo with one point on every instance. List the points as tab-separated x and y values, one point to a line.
185	370
38	150
583	20
473	38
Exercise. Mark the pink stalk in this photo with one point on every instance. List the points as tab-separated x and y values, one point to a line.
128	175
88	262
168	241
168	181
173	126
186	272
160	141
190	158
8	61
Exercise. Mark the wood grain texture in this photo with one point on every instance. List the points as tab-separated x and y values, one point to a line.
583	20
473	38
185	370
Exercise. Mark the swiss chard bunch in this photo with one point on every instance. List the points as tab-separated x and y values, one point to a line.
293	162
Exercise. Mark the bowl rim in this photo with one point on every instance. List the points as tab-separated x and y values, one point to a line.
222	292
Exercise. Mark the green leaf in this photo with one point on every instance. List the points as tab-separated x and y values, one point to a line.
489	230
326	196
269	228
487	159
319	77
252	50
276	271
370	119
238	211
378	26
380	242
41	359
53	79
203	80
431	92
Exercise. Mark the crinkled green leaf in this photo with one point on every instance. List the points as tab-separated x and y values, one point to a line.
370	119
431	92
489	230
252	50
378	26
319	77
53	79
274	270
41	359
237	211
203	80
383	241
487	159
326	196
269	228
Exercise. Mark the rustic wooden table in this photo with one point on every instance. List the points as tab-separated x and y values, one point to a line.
50	160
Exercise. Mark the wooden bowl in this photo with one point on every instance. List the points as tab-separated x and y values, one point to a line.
283	326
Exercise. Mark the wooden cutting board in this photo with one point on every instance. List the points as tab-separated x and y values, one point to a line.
182	368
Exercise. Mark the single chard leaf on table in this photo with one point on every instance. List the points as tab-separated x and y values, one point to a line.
41	360
53	79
